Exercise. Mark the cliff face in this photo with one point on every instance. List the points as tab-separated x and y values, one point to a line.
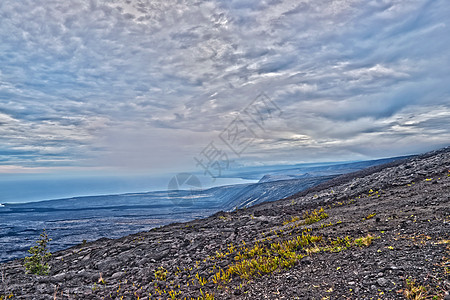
383	232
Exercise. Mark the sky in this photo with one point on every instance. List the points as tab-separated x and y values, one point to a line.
148	87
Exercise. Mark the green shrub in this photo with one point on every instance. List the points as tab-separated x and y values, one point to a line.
37	262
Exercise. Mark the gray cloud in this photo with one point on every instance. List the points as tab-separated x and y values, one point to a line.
123	83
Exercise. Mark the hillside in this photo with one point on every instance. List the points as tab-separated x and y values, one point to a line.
70	221
380	233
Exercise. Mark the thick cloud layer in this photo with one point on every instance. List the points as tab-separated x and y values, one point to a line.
149	84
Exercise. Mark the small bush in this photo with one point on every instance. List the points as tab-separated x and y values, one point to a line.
414	291
314	216
370	216
161	274
364	241
37	262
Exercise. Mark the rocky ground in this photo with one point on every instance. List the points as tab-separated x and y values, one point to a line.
381	233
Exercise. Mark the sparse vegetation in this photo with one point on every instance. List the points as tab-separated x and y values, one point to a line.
414	291
233	263
37	263
370	216
292	220
160	274
364	241
314	216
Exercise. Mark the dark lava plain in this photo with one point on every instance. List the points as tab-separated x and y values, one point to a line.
380	233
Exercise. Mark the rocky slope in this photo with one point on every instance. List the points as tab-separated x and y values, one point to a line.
381	233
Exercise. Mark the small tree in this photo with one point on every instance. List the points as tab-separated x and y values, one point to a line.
37	262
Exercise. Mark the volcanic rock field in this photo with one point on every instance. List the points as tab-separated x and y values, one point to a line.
380	233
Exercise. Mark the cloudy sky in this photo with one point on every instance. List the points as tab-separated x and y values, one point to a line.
148	85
